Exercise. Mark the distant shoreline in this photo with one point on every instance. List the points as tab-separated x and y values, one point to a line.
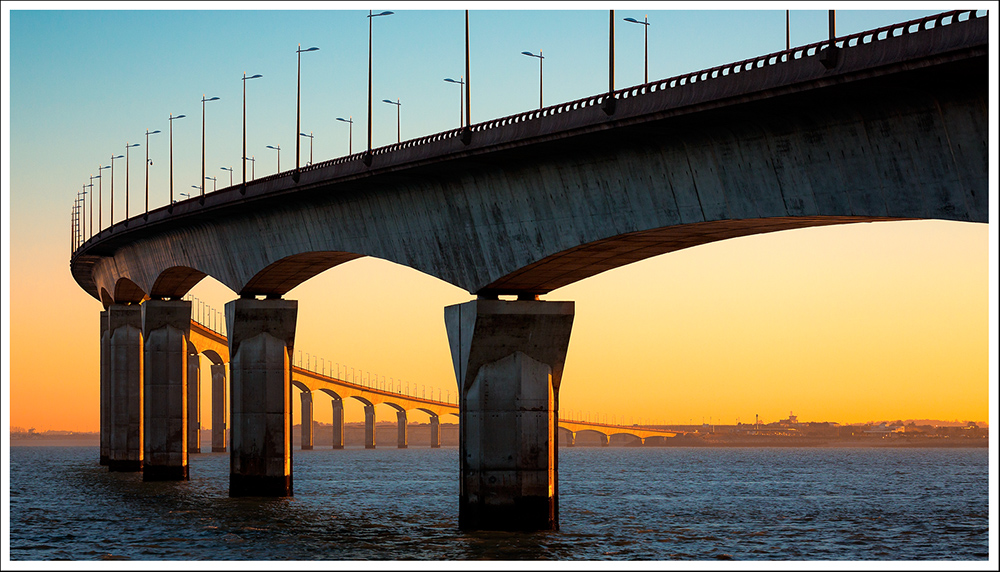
911	443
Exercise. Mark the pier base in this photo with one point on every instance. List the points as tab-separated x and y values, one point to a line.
508	359
166	327
261	340
219	403
125	387
338	423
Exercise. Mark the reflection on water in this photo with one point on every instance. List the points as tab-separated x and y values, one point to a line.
615	503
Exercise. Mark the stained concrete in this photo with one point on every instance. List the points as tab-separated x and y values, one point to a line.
220	420
106	404
435	426
166	328
261	342
125	353
508	359
194	401
401	440
369	426
307	420
338	423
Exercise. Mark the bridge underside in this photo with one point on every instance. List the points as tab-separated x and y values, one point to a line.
911	144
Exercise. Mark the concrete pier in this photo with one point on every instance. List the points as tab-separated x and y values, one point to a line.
435	432
166	327
125	387
401	441
338	423
105	390
261	341
508	359
219	402
369	426
194	401
307	420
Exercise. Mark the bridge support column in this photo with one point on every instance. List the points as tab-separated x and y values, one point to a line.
219	401
166	328
508	358
401	441
435	432
261	340
307	420
338	423
194	402
570	438
369	426
125	387
105	393
605	440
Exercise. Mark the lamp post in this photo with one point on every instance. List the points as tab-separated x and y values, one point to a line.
127	146
230	169
310	136
148	163
199	187
368	155
350	133
298	108
788	30
112	214
398	105
468	81
252	162
83	207
278	149
100	193
213	184
461	83
92	177
203	100
645	38
245	78
540	58
172	117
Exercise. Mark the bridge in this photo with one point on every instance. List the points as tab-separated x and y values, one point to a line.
888	124
208	338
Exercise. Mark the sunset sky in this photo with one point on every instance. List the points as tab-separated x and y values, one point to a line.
877	321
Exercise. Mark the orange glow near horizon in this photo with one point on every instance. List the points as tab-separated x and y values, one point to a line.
853	323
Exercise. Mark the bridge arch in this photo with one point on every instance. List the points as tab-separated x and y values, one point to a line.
280	276
128	292
175	282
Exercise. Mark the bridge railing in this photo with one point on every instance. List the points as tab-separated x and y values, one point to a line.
759	62
366	379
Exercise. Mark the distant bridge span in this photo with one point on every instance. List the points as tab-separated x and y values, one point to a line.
888	124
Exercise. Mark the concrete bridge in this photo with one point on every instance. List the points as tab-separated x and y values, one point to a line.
889	124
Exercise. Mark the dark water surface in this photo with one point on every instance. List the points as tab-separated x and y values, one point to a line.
615	503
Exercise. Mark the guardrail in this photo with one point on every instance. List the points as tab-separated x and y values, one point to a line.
756	63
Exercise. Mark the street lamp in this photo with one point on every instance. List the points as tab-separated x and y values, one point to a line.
645	37
310	136
278	149
83	207
350	133
461	83
203	100
172	117
368	155
245	78
92	177
127	146
540	58
112	217
213	183
230	169
199	187
148	163
252	161
398	105
298	107
100	193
